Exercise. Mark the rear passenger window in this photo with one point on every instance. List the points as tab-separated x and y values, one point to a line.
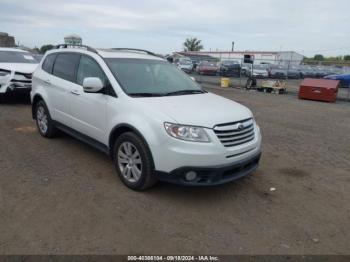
88	67
66	65
48	63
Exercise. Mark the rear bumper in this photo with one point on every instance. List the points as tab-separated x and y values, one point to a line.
212	175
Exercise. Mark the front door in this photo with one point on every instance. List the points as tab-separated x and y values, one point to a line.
88	110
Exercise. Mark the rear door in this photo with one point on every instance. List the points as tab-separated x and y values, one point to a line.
88	110
61	84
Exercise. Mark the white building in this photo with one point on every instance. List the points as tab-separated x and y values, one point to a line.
271	57
73	40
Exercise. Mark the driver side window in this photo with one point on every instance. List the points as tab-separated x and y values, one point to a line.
88	67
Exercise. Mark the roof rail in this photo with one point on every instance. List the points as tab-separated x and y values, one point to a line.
88	48
135	50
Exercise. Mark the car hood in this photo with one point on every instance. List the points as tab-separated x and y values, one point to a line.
231	65
278	71
19	67
205	110
338	77
185	66
208	67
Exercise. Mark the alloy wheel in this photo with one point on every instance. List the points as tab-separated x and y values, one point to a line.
129	162
42	119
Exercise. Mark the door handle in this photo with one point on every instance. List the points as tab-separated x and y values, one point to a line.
47	82
75	92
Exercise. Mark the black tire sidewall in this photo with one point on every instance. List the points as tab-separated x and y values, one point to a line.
147	174
50	127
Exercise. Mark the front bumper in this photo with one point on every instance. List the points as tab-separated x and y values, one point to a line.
212	175
22	88
208	72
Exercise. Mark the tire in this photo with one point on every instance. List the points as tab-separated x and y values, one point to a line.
43	120
130	149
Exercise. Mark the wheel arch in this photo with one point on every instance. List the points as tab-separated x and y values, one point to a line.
36	99
119	130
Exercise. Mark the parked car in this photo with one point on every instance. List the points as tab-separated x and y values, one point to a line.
344	79
259	71
306	71
278	72
207	68
185	64
334	71
229	68
293	72
155	122
321	72
245	69
16	68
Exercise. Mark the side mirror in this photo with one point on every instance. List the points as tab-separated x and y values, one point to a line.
92	84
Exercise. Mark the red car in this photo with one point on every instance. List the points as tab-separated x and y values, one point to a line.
207	68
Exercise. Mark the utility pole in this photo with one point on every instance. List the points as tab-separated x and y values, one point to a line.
233	46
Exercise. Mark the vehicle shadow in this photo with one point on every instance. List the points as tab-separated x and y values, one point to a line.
204	193
13	99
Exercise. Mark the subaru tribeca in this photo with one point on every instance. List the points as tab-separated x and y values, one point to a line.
154	121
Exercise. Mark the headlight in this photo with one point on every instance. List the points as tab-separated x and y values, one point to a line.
4	72
5	76
188	133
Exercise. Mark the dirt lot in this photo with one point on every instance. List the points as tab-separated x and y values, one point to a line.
60	196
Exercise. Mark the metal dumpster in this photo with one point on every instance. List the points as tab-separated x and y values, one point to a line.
319	89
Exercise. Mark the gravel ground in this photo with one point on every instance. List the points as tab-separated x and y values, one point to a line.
60	196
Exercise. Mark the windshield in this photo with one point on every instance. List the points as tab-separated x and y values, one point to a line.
16	57
185	62
205	63
145	76
229	62
259	67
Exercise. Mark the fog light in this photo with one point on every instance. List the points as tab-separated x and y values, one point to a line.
191	175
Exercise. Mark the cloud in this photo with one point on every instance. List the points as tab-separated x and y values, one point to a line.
163	25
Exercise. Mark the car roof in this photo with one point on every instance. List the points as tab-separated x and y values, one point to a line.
110	53
12	49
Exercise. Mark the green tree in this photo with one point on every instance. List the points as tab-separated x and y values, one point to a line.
45	48
193	44
319	57
347	58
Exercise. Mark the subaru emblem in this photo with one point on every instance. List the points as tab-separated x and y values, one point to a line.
240	126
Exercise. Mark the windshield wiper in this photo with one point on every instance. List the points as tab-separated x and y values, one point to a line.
146	94
185	92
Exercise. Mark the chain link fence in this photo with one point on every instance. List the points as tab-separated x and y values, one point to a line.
290	72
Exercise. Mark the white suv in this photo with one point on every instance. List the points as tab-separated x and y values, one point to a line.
154	121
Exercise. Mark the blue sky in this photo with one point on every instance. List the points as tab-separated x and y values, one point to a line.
306	26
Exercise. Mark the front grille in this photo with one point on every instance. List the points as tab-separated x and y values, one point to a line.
235	133
22	79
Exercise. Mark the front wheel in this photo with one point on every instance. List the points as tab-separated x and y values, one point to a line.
43	120
133	162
